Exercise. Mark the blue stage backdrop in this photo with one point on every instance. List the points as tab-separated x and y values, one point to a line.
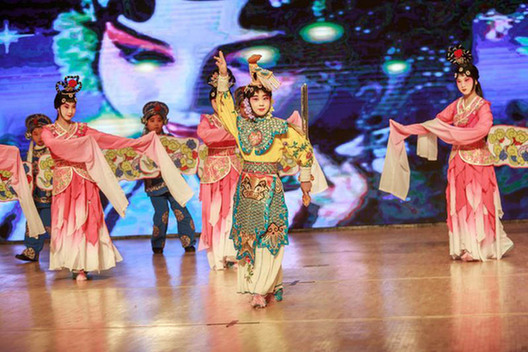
365	62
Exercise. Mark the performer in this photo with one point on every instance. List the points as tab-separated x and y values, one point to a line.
473	200
218	184
79	237
260	216
42	198
154	118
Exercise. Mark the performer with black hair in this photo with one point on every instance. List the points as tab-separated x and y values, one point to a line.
79	237
42	197
260	215
218	184
473	200
154	118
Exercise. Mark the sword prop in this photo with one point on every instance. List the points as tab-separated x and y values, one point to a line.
306	199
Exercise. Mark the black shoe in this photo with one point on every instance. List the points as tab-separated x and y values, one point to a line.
157	250
190	249
25	258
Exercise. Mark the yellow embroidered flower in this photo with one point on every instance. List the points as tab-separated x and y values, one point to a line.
110	154
492	138
511	133
500	134
511	150
521	136
497	149
130	153
125	165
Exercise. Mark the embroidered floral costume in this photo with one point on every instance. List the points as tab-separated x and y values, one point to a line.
260	215
42	197
473	200
79	236
221	170
161	198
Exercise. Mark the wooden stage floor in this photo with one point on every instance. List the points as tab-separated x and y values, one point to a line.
380	289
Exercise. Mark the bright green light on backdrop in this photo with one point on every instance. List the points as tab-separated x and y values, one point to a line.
396	67
322	32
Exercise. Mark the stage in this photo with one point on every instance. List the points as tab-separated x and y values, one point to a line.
371	289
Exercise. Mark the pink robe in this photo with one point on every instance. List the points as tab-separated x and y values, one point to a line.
473	200
79	236
217	188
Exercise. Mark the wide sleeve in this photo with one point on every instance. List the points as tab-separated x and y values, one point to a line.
10	161
463	135
226	107
149	145
448	113
298	147
85	150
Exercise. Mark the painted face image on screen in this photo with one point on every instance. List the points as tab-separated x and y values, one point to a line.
162	58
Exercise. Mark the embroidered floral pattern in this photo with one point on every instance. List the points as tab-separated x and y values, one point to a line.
6	191
155	231
63	170
185	240
165	217
179	215
259	134
29	252
260	216
476	153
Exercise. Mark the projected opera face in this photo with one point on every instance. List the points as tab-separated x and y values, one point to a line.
162	57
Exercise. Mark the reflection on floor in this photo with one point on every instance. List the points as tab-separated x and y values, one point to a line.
379	289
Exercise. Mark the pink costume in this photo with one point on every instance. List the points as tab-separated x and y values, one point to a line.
473	200
218	185
79	237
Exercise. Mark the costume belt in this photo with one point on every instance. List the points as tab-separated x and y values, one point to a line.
269	168
226	151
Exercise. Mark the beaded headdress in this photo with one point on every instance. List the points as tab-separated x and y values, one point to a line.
70	86
462	58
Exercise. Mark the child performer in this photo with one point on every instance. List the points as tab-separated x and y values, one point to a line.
218	184
79	237
154	118
42	198
260	216
473	200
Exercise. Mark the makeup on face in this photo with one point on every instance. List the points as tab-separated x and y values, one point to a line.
465	84
260	103
67	111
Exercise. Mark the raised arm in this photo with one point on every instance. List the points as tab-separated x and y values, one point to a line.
224	100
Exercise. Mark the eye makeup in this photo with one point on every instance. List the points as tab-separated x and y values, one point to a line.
137	48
